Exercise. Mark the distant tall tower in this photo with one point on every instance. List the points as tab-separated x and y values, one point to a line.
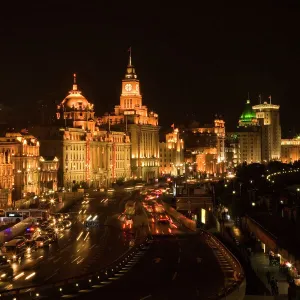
130	96
141	124
268	117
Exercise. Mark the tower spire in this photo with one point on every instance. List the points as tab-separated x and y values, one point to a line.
74	82
130	72
129	59
248	96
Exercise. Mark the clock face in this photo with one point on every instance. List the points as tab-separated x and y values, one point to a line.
128	87
137	88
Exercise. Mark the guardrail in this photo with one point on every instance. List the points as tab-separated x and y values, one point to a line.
74	284
235	290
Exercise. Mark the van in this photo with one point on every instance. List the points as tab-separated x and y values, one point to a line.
14	250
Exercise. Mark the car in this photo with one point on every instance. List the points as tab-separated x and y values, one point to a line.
3	261
6	273
52	237
23	238
67	224
42	241
44	224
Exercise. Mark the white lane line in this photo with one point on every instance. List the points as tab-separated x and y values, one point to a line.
174	276
55	261
179	249
179	260
92	247
147	297
75	259
49	277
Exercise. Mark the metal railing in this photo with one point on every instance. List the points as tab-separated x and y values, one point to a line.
239	274
73	283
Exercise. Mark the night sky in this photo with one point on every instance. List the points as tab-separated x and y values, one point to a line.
193	61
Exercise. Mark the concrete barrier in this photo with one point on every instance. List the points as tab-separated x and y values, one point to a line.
190	224
68	199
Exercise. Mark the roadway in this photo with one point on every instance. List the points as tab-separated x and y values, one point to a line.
77	252
174	267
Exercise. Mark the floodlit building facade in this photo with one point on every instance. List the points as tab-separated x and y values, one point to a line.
88	155
249	136
205	147
290	150
269	120
134	118
171	155
22	168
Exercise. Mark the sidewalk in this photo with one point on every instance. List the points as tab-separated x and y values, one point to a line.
260	265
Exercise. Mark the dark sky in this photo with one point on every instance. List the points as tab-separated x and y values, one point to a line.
190	60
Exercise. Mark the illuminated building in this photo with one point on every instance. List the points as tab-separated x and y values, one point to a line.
290	150
249	136
171	154
232	150
21	153
133	117
205	146
48	173
268	117
6	176
87	154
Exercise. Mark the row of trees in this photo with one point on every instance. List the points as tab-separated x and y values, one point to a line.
250	190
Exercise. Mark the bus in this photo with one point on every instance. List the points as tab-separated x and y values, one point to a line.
15	216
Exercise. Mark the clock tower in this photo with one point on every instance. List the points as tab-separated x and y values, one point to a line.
131	98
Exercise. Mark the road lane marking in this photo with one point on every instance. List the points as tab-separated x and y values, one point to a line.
174	276
55	261
179	249
50	276
19	276
30	275
75	259
179	260
147	297
50	258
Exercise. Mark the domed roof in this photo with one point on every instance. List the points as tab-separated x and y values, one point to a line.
248	114
75	99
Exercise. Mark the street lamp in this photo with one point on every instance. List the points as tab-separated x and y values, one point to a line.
233	192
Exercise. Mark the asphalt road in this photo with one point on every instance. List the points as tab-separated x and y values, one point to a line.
176	266
77	251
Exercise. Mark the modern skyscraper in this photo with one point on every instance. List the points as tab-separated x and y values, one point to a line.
268	117
133	117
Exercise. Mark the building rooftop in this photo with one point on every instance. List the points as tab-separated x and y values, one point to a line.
265	105
248	115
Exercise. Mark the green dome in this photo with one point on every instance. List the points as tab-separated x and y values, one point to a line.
248	114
